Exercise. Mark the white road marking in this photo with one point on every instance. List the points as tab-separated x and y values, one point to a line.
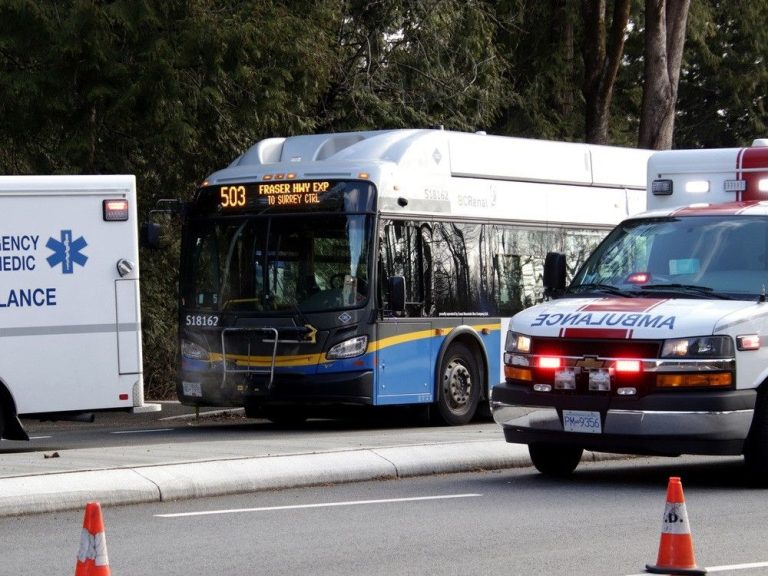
731	567
141	431
39	437
738	567
323	505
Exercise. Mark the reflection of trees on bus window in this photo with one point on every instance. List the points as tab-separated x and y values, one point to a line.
206	258
401	254
454	268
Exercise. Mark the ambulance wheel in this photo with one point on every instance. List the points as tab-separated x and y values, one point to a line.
458	386
756	446
555	459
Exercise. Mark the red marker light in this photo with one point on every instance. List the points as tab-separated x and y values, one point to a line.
115	210
632	366
550	362
748	342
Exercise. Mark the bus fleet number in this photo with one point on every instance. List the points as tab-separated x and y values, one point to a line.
201	320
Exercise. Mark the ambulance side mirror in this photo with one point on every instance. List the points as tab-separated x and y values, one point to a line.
554	273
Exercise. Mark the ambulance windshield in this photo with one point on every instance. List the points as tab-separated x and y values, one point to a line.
692	256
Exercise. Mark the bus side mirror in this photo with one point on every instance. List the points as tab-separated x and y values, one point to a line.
554	273
397	293
149	235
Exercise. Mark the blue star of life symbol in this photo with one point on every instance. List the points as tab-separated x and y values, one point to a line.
66	252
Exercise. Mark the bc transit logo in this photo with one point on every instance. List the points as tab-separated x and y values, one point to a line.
66	252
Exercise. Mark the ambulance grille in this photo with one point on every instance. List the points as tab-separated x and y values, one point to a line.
636	349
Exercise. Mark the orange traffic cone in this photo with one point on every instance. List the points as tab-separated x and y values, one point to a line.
92	557
676	546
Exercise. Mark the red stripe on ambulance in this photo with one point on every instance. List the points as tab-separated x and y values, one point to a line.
751	159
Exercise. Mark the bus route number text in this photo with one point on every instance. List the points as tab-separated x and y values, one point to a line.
232	196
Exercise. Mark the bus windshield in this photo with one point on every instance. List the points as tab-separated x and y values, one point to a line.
263	264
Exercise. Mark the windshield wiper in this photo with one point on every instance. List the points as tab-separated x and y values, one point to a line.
597	287
705	291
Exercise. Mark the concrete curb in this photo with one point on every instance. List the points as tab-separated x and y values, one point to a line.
61	491
141	484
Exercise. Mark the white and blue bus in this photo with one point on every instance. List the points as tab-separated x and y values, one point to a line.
380	268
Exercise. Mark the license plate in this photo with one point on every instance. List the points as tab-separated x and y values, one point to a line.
581	421
194	389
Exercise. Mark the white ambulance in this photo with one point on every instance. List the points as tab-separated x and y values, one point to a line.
659	343
70	321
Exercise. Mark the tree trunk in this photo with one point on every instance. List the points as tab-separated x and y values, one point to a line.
665	22
603	51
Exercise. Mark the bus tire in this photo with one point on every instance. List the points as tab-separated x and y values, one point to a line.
458	386
756	446
2	421
556	460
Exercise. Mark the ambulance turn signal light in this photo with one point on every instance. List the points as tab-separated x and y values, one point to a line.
515	373
695	380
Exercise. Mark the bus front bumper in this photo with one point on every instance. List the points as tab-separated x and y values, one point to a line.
196	388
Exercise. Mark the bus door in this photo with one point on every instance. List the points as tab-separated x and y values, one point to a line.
405	368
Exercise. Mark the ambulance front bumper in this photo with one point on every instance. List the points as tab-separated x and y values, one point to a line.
657	424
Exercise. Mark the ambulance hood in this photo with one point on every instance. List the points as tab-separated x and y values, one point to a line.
636	318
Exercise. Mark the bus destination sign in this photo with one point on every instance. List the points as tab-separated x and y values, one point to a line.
287	194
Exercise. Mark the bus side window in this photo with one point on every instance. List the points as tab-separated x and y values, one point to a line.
402	253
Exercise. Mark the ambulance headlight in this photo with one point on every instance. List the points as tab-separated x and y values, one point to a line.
516	348
348	349
517	343
698	347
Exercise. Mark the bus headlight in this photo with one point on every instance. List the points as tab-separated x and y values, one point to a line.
348	349
194	351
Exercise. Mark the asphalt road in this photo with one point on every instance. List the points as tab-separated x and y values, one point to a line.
67	464
605	520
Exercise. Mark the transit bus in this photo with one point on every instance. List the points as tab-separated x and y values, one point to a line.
380	268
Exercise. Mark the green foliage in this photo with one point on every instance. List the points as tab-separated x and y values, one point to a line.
725	75
414	63
539	40
171	90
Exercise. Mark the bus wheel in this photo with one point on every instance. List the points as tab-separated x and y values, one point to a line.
756	446
458	387
555	459
2	422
